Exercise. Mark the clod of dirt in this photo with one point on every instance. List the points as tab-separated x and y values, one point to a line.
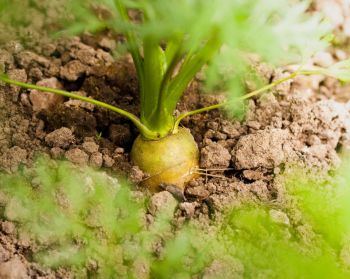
108	161
78	103
189	208
120	135
90	147
12	158
279	217
6	60
136	175
73	70
77	156
231	129
266	148
4	254
198	192
82	122
85	55
57	152
62	138
16	74
162	202
259	188
96	160
253	175
8	227
28	59
43	100
228	268
13	269
215	155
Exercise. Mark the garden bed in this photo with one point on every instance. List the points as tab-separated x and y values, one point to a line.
304	122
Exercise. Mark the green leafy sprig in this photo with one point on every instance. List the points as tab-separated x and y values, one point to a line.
171	41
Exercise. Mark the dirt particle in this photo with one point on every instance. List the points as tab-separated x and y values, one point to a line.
104	56
279	217
230	129
119	150
188	208
73	70
254	125
28	59
213	125
120	135
62	138
6	60
107	43
108	161
228	268
77	156
215	155
219	136
259	188
12	158
319	151
78	103
136	175
162	202
57	152
86	56
44	100
4	254
81	122
141	269
253	174
8	227
19	75
35	73
24	100
199	192
264	149
13	269
96	160
90	147
48	49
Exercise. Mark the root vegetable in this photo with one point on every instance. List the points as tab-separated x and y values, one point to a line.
170	160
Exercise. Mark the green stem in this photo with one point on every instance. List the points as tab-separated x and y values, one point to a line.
134	50
192	64
244	97
154	68
147	133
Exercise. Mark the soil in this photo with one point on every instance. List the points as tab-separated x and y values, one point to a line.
305	121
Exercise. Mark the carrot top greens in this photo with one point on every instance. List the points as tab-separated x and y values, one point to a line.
171	41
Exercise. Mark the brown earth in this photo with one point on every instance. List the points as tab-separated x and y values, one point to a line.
305	121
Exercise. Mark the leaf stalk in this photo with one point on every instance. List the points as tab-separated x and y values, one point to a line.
244	97
135	120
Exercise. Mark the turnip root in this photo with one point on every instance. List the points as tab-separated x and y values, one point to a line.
170	160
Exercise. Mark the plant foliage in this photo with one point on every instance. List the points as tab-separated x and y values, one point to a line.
87	221
178	38
171	41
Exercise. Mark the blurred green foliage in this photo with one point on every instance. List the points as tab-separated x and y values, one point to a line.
278	31
31	22
93	224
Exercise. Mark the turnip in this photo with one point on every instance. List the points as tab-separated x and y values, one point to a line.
173	41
